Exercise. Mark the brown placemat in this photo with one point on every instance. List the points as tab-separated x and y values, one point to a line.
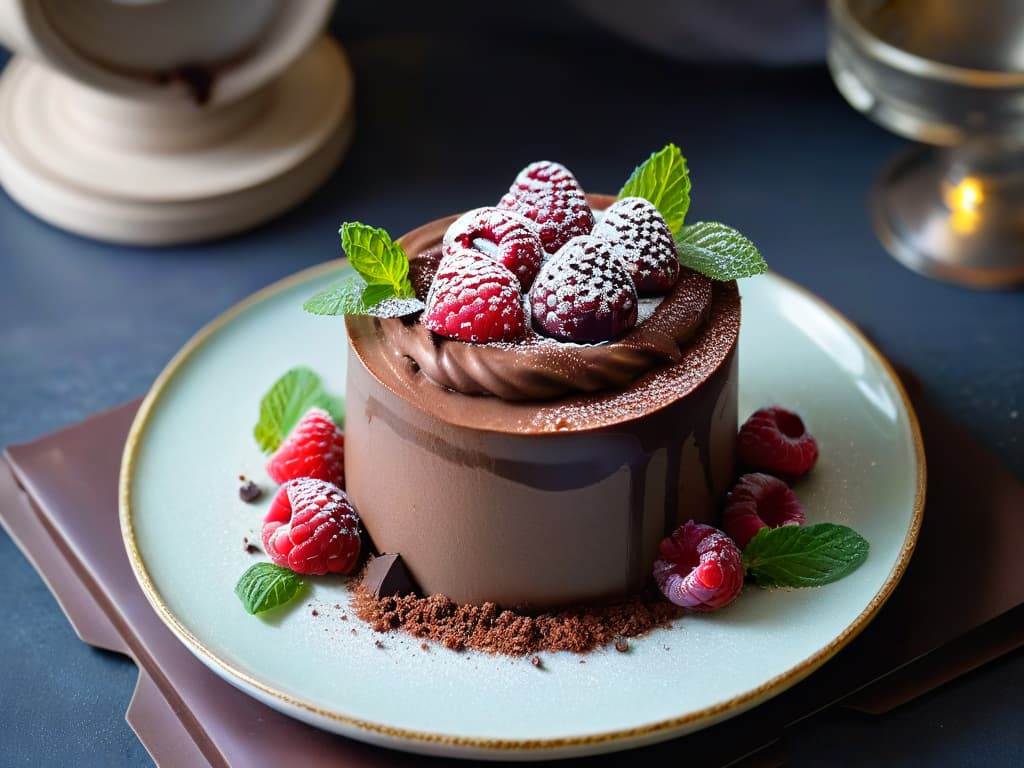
60	506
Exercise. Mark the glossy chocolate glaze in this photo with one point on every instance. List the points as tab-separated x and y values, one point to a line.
539	503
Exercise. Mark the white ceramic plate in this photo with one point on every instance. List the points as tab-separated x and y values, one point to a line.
183	525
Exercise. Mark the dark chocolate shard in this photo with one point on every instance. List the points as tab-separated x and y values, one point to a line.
387	576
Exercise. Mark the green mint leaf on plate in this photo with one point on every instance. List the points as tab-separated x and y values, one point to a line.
718	251
663	180
378	260
265	585
803	556
344	298
287	401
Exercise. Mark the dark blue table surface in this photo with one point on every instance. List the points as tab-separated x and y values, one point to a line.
448	110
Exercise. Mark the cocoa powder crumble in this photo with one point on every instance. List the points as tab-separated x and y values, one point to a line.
495	630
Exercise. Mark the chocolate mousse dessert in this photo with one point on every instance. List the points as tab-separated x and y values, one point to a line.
540	429
564	398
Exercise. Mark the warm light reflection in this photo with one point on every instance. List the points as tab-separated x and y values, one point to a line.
964	201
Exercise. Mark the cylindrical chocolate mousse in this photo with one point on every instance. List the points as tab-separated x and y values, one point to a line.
540	474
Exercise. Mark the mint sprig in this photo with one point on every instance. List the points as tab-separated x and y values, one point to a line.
713	249
344	298
378	260
265	585
287	401
803	556
382	285
718	251
663	180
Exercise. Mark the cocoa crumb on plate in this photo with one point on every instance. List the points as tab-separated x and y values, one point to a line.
249	492
493	629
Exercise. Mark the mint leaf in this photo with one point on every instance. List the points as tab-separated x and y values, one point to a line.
345	298
265	585
355	297
382	287
803	556
287	401
378	260
718	251
375	294
663	180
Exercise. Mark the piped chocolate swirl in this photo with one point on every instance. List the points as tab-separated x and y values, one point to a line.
537	367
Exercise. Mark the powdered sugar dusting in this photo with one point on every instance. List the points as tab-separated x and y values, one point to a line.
645	243
707	352
326	497
396	308
583	293
646	307
548	194
312	528
473	298
503	235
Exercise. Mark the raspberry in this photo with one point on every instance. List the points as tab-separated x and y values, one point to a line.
759	501
474	298
774	440
505	236
584	293
548	194
645	242
700	568
314	448
312	528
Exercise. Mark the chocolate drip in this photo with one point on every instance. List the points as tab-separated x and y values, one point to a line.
634	542
672	473
535	474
